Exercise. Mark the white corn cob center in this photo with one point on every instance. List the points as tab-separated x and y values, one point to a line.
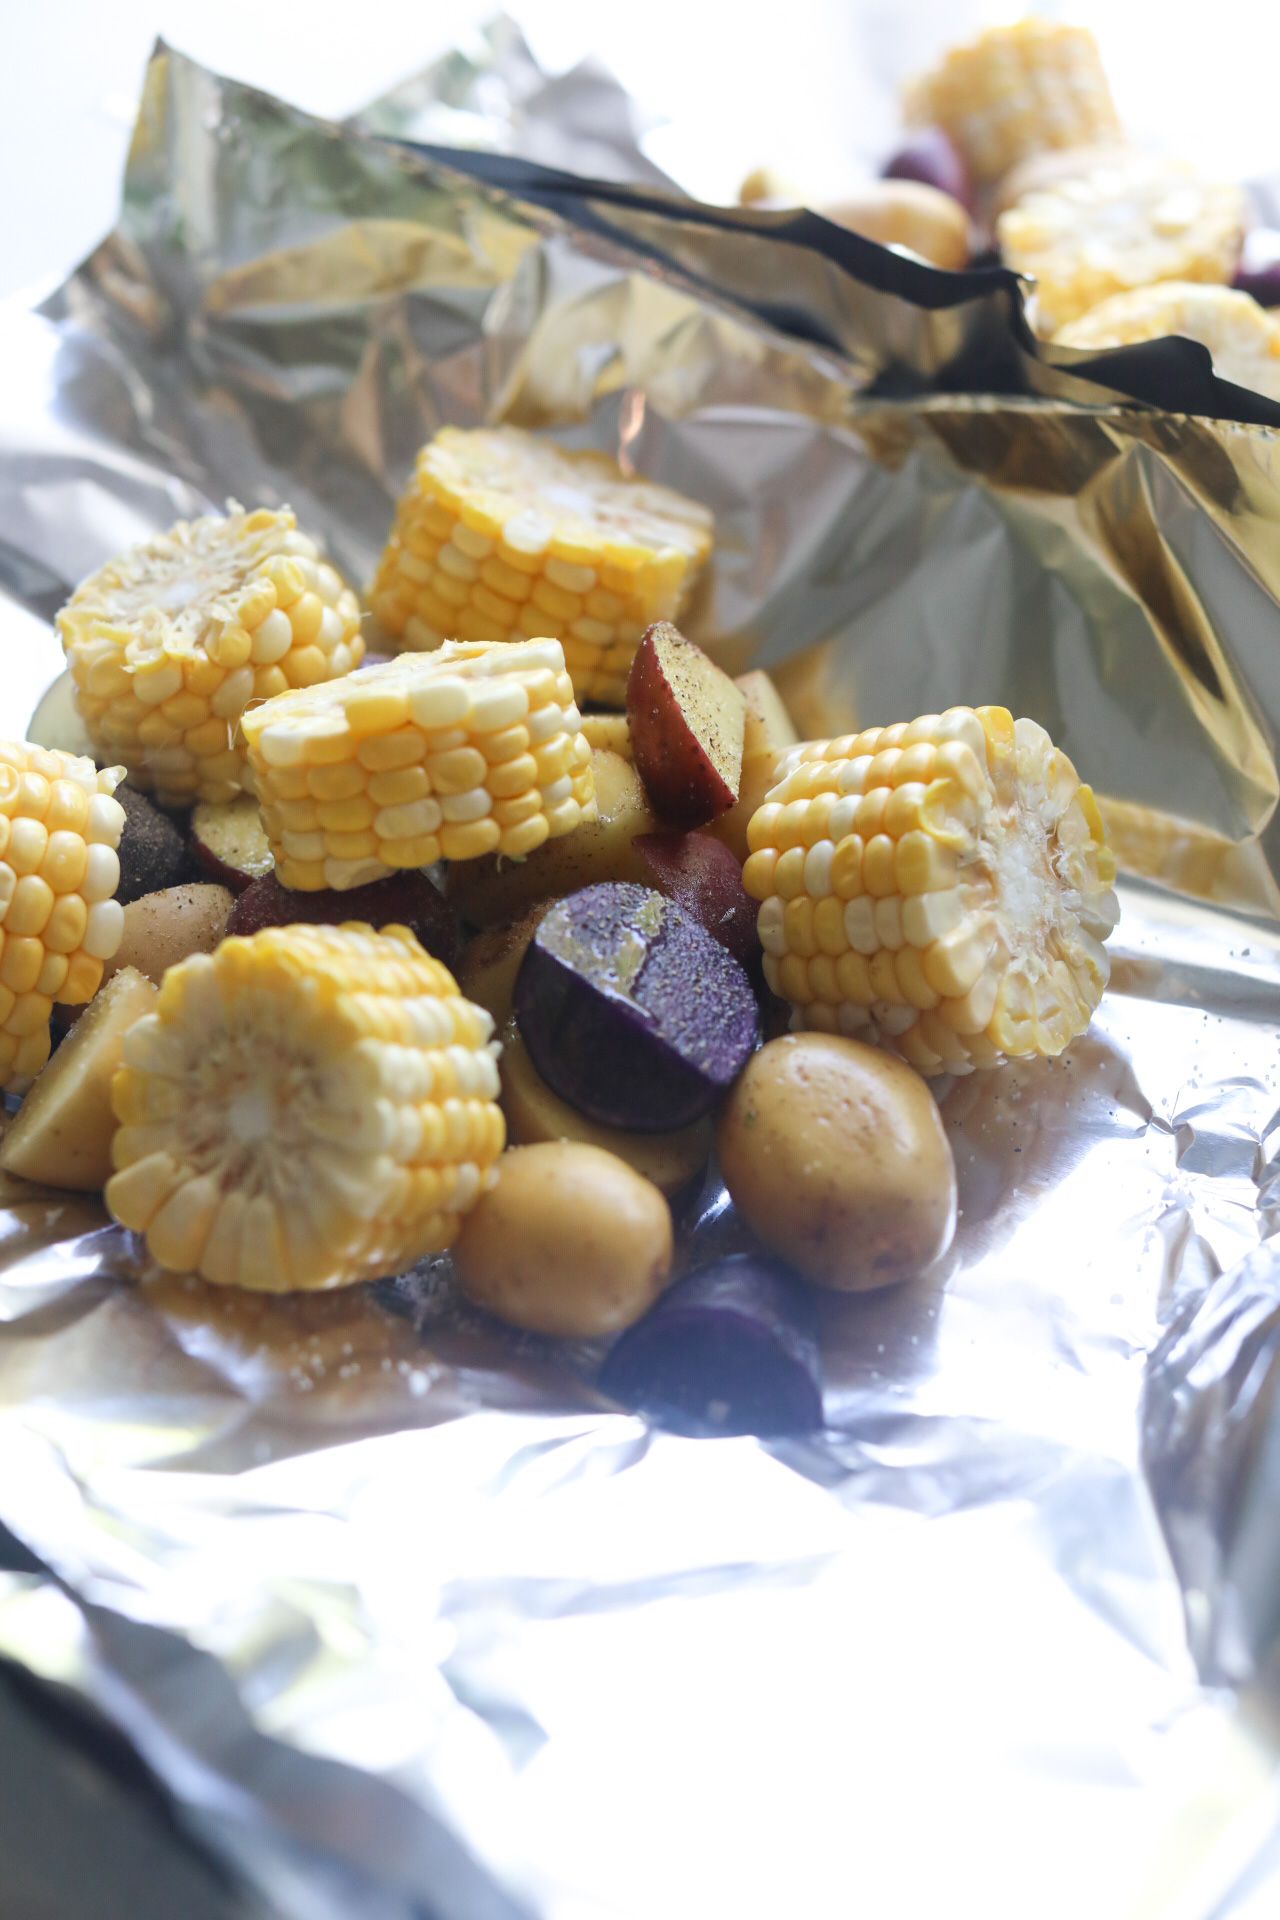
306	1108
170	641
470	750
503	537
943	886
59	920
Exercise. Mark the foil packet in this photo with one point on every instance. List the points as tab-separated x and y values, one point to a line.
404	1615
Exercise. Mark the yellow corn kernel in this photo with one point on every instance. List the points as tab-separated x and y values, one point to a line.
214	613
365	1167
416	757
955	902
521	536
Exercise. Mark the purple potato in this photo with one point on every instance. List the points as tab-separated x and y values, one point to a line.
930	158
1259	270
631	1011
405	899
732	1348
702	876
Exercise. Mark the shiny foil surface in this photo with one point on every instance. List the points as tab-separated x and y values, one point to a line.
408	1619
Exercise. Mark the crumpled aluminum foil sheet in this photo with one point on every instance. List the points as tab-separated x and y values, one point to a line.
410	1621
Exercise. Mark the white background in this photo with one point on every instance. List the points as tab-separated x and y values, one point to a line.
802	85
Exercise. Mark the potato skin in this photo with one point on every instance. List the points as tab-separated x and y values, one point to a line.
686	718
835	1154
567	1241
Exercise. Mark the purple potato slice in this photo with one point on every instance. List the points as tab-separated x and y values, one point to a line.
631	1011
732	1348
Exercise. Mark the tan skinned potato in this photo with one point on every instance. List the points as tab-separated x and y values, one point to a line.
835	1153
567	1241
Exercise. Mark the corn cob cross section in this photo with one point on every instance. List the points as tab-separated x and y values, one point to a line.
502	537
942	887
469	750
308	1107
1243	337
59	870
170	641
1015	91
1122	223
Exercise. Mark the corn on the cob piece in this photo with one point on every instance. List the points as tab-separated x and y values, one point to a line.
1123	224
1243	337
503	537
942	887
432	756
59	919
1014	91
170	641
307	1107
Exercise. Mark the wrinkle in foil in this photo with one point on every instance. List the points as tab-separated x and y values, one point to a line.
407	1618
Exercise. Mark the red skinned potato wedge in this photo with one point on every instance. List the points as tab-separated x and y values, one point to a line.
702	876
230	843
686	718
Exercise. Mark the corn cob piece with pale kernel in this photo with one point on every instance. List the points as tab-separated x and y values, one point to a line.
170	641
308	1107
1129	221
503	537
1014	91
470	750
59	870
942	887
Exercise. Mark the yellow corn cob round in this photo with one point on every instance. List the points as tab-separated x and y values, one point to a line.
170	641
307	1107
1126	222
1243	337
1014	91
59	919
942	887
436	756
503	537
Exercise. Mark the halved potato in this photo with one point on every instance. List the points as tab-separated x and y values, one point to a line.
486	973
162	928
61	1135
534	1113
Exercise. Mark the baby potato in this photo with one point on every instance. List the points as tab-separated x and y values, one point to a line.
162	928
567	1241
835	1154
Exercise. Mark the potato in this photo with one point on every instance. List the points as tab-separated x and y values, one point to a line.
767	734
153	854
835	1154
534	1113
567	1241
230	841
162	928
906	213
56	721
486	974
62	1133
491	889
686	718
611	730
702	876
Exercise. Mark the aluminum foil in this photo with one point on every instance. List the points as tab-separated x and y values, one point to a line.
406	1617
